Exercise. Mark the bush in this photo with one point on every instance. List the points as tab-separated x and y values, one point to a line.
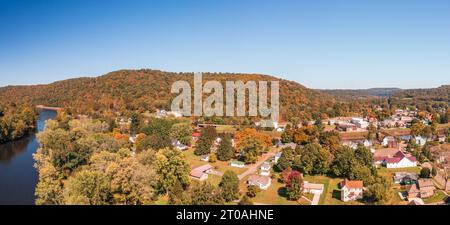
252	191
425	173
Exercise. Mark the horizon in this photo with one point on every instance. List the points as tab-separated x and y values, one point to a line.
321	45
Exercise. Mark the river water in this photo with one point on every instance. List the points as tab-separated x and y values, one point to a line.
18	177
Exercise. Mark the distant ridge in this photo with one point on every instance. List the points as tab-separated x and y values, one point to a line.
145	89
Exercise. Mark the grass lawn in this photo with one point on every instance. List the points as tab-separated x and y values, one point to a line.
332	193
274	196
163	200
194	161
226	129
390	172
437	197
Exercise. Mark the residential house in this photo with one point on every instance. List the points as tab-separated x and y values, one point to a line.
276	157
201	172
313	188
405	178
291	145
416	201
420	140
195	136
265	169
237	164
424	188
351	190
347	127
390	142
360	123
205	158
177	145
263	182
394	158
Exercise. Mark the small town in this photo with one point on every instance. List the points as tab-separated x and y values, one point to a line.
409	154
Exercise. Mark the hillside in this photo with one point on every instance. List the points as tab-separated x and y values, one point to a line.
127	90
350	94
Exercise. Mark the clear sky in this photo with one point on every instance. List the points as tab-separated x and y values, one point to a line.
321	44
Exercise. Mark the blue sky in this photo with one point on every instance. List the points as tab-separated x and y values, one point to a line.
321	44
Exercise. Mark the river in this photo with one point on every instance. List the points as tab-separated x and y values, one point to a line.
18	177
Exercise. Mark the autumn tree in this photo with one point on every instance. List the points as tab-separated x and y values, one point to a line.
87	188
294	186
181	132
205	193
251	144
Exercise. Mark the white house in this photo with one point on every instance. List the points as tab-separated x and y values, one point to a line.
393	158
205	158
237	164
420	140
313	188
360	123
387	140
263	182
265	169
276	157
351	190
400	160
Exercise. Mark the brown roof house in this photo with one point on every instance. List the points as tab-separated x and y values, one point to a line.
351	190
263	182
424	188
201	172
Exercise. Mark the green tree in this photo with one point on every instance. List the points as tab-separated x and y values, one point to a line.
372	132
205	194
207	137
177	195
252	191
229	186
153	141
225	151
286	160
181	132
250	149
330	140
245	201
171	167
313	160
135	123
425	173
87	188
380	191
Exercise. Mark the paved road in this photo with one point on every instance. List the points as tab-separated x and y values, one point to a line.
253	168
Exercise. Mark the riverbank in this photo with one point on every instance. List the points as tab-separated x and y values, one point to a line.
18	177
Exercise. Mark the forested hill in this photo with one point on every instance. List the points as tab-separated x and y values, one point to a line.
127	90
350	94
441	93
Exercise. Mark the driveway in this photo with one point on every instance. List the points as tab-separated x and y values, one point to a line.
315	200
253	168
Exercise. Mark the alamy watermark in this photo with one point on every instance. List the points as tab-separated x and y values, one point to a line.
235	99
